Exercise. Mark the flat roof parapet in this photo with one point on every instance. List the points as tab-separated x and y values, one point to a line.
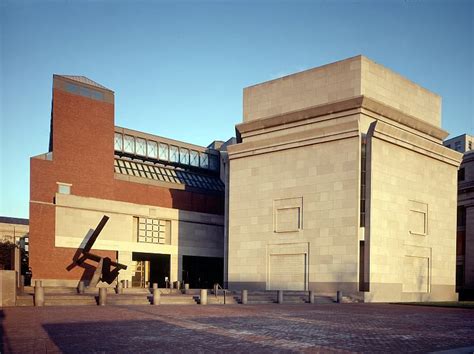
345	79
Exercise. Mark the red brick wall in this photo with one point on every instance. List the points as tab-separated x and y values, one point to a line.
83	155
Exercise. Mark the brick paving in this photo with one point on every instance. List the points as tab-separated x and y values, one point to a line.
236	328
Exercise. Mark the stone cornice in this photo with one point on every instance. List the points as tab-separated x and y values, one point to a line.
410	141
340	106
318	135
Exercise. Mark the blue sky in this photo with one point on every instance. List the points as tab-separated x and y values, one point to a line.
178	68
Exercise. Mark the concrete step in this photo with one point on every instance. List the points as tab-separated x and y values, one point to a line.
177	300
69	300
127	299
25	300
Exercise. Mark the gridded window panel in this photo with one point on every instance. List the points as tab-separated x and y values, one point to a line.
194	158
129	144
184	156
140	146
174	154
213	162
154	231
118	142
163	152
203	160
152	149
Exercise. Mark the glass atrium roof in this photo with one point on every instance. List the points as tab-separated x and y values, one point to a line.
166	174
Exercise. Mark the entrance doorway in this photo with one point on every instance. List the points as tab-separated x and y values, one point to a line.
203	272
151	268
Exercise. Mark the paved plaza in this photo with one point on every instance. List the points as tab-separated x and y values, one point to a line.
236	328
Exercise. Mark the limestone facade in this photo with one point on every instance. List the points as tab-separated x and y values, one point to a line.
340	182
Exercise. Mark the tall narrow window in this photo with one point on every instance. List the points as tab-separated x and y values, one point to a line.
194	158
118	142
363	178
163	152
152	149
140	146
203	160
129	144
174	156
184	156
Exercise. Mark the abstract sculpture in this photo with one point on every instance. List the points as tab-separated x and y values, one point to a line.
104	271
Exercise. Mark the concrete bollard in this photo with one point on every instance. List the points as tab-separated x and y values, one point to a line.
203	297
339	297
119	288
311	297
244	297
39	293
280	296
155	286
102	296
156	296
186	288
81	287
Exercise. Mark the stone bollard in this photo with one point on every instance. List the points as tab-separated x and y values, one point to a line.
102	296
203	297
186	288
311	297
280	296
156	296
155	286
39	293
339	297
81	287
119	288
243	297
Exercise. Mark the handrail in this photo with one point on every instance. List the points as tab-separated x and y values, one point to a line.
216	291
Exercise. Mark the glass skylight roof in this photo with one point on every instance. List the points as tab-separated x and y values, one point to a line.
165	174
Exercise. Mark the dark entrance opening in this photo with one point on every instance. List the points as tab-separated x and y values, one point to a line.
151	268
203	272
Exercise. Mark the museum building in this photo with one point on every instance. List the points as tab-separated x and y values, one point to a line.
341	182
164	198
337	180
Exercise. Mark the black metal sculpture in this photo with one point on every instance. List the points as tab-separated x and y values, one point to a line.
104	270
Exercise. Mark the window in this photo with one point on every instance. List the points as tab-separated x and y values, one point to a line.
129	144
140	147
174	157
203	160
163	152
470	145
213	162
194	158
84	91
118	142
457	146
363	178
461	174
184	156
64	188
461	216
154	231
152	149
